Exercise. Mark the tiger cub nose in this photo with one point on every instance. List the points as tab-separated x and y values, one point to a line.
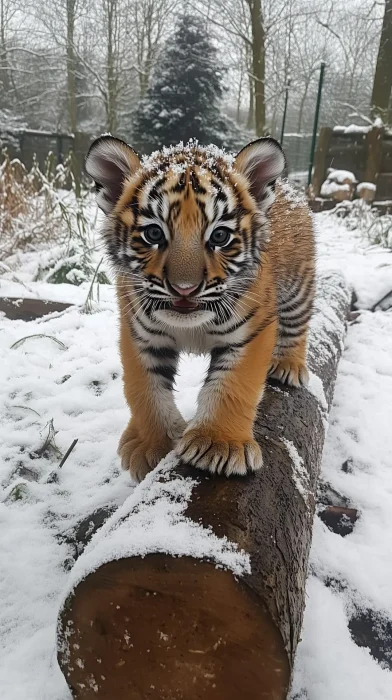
184	289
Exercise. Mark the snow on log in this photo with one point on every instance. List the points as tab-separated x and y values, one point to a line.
195	587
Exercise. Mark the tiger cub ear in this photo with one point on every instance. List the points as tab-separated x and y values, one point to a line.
109	162
261	162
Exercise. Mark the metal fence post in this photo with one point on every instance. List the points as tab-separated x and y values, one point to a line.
316	120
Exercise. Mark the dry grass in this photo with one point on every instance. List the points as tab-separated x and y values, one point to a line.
30	208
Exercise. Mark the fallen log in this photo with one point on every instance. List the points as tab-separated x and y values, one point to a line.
29	309
195	587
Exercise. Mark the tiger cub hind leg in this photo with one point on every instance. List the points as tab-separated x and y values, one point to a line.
288	364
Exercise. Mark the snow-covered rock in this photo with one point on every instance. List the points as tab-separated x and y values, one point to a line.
339	185
366	191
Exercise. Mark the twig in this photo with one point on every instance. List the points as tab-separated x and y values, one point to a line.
379	302
68	452
20	342
87	307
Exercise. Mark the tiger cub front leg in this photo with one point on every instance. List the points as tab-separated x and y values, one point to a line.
156	422
220	437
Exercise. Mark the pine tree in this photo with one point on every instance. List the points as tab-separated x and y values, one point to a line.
183	99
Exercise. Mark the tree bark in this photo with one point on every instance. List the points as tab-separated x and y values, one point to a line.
319	170
111	107
258	64
29	309
374	153
154	614
4	67
382	86
71	66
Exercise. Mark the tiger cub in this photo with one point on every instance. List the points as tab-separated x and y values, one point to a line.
209	258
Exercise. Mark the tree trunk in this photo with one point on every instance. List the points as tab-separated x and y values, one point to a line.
301	106
71	67
382	86
239	95
374	153
111	68
319	169
250	124
258	64
195	588
5	82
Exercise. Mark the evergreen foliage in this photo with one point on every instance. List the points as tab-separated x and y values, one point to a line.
183	100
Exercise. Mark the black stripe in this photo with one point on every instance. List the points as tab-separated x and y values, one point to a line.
154	331
236	325
165	371
299	297
300	320
221	197
155	192
164	353
196	184
292	333
180	185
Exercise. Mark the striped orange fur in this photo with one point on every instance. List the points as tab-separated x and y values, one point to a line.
212	255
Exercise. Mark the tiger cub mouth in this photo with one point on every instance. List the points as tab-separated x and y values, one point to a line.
185	306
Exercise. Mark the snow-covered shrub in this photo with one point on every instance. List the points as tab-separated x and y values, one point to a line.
359	215
37	214
29	212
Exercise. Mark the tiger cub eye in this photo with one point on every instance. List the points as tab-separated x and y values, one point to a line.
154	235
220	236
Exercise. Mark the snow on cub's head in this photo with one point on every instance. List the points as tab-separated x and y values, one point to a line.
188	222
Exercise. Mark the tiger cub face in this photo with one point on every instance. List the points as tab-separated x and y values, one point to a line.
186	226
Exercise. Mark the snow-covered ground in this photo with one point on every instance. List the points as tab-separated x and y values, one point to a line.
70	376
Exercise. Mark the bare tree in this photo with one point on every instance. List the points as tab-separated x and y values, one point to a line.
258	64
71	64
382	85
151	21
4	68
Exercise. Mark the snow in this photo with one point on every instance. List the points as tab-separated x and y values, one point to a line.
300	475
294	196
315	387
337	181
354	129
210	155
341	175
366	186
329	188
360	430
79	388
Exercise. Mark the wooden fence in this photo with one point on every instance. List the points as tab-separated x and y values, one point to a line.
364	151
25	144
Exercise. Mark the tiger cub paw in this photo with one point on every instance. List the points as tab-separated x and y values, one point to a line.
140	454
289	371
227	457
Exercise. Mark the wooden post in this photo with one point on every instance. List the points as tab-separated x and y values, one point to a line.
195	588
374	139
319	172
